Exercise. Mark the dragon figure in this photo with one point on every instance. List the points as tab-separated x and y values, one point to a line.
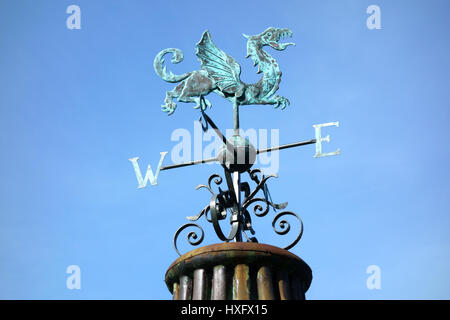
220	73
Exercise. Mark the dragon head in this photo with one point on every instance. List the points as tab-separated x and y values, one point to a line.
269	37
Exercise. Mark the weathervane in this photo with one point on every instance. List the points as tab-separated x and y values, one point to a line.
220	73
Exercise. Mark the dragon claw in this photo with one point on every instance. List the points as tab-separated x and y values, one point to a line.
207	104
285	104
281	101
169	108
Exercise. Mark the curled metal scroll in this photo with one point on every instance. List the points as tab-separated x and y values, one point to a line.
258	209
217	179
223	204
219	212
217	208
191	235
285	227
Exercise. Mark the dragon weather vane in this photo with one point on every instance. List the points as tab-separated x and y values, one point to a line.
220	73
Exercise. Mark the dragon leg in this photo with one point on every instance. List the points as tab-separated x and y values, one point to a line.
277	101
197	101
169	106
195	88
203	103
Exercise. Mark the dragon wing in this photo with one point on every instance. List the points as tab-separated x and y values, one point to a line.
222	68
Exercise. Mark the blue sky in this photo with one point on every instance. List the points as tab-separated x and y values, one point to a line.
75	105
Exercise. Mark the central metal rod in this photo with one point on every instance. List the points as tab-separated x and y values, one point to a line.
236	118
237	174
237	189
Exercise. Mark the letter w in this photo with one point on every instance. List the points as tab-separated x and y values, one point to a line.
149	176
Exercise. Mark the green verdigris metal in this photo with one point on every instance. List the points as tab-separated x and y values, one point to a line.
220	73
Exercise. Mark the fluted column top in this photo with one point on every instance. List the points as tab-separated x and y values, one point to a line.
234	253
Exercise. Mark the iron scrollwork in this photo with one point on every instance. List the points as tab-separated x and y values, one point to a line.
223	204
191	235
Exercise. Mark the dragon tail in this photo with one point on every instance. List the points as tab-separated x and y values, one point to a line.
161	69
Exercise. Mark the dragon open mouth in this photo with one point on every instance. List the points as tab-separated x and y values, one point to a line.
277	35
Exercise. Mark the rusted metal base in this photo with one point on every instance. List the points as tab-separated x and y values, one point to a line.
238	271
